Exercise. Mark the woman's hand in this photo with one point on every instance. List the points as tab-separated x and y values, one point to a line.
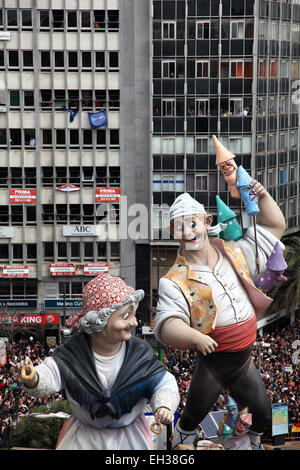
28	375
163	415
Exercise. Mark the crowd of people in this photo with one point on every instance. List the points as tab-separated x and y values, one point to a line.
15	402
275	355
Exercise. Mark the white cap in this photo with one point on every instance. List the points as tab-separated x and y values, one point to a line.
185	205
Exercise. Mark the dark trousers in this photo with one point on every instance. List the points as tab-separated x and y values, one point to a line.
235	371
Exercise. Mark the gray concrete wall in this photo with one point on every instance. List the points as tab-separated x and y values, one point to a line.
134	118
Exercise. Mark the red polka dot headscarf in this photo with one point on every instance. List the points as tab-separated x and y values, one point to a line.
101	292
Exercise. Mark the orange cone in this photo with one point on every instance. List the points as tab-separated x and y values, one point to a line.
222	153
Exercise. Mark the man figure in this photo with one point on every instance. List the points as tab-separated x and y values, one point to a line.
208	301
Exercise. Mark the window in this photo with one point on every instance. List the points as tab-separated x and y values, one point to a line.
12	19
168	182
88	213
168	30
61	213
31	252
73	98
4	252
31	215
87	99
99	20
58	19
236	69
100	60
26	19
29	137
113	20
273	69
74	175
28	99
236	106
13	59
72	60
88	251
44	20
46	99
201	182
14	99
272	105
3	137
113	59
272	177
201	145
168	107
47	176
115	250
260	143
202	69
4	177
59	61
86	60
282	176
114	138
237	29
2	60
74	138
47	138
75	251
101	251
49	251
85	20
236	145
30	176
202	30
202	107
60	138
114	99
17	251
4	215
62	251
101	138
87	138
72	19
88	175
15	137
168	69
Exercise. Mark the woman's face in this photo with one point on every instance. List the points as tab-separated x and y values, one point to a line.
120	323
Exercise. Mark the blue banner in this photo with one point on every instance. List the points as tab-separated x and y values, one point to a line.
98	119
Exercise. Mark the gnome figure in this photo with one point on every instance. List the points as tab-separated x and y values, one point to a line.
276	265
233	230
228	167
243	183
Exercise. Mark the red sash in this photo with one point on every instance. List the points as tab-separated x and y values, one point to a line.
235	337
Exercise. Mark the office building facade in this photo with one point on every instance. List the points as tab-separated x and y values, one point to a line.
229	68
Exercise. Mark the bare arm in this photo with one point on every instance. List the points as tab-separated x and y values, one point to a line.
175	332
270	216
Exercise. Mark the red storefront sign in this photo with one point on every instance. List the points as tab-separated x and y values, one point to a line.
22	196
15	270
94	269
62	269
108	194
30	319
85	269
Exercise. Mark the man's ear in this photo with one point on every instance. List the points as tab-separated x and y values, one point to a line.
208	220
